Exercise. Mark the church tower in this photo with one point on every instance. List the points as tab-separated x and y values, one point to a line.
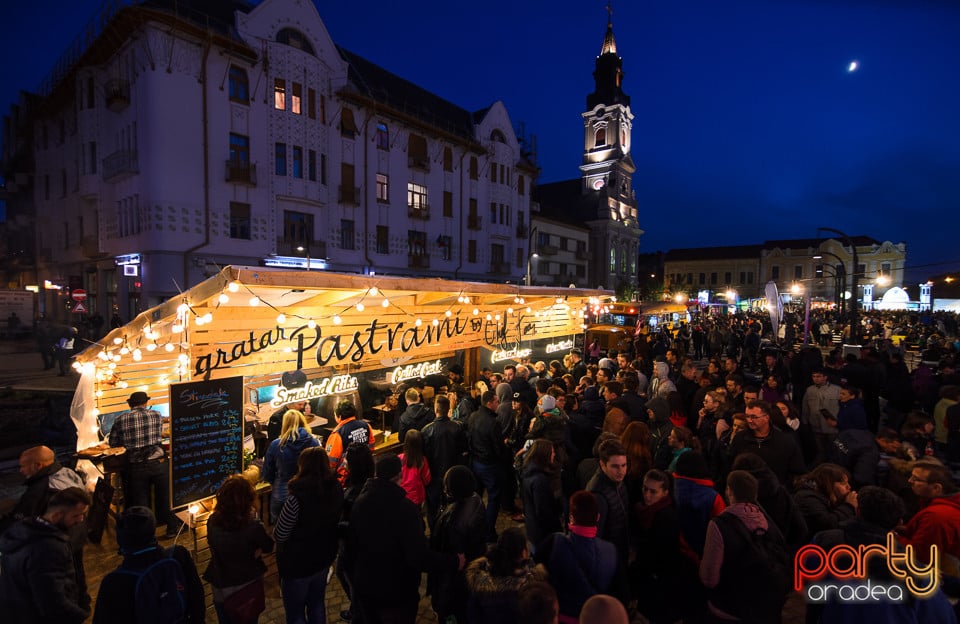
606	173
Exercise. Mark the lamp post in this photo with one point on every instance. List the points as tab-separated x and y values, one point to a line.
530	255
854	321
305	248
839	276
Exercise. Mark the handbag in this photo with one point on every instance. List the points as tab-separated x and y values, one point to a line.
247	603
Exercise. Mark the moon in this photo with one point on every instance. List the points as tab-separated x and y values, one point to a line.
852	67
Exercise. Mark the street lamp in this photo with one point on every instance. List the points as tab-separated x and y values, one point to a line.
854	321
531	254
302	249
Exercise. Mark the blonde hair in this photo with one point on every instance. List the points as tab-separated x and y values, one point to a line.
293	420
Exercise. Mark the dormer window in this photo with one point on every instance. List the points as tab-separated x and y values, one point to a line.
295	39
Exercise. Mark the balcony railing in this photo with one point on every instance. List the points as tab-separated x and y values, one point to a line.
418	212
349	195
547	250
522	231
418	261
117	94
244	173
419	162
314	248
120	163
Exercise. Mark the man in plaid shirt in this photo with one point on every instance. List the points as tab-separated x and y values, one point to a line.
139	431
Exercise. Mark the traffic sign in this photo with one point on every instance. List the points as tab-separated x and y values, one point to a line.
78	294
79	308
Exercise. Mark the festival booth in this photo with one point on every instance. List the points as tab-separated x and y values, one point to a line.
213	360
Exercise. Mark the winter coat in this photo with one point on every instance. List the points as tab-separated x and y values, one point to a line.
40	487
416	416
38	583
592	407
937	523
697	502
852	415
444	445
612	499
660	428
280	462
542	506
461	527
312	543
494	599
779	450
857	451
414	481
780	507
579	567
616	418
817	511
233	558
485	438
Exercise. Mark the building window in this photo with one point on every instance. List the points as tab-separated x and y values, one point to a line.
886	268
346	234
383	137
417	196
297	161
348	192
312	165
743	277
445	243
93	157
296	98
447	204
280	94
239	149
447	159
521	185
581	271
543	267
613	259
417	152
474	174
383	188
383	239
600	138
471	251
728	278
493	172
280	159
323	169
521	258
311	104
416	243
775	272
861	269
239	85
493	212
295	39
496	256
91	94
713	279
348	126
323	108
703	279
798	271
297	226
239	220
749	277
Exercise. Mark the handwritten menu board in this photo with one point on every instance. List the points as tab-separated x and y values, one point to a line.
206	437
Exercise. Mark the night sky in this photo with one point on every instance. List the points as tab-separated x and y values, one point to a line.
748	125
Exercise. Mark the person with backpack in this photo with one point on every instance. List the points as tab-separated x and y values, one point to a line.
152	584
746	566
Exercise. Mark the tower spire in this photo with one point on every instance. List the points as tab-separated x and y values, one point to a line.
609	43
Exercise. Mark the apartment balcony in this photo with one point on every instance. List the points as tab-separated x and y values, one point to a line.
301	249
522	231
419	162
547	250
418	212
241	172
349	195
500	268
583	254
418	261
117	94
120	164
473	222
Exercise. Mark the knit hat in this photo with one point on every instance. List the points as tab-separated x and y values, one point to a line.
136	529
547	403
459	482
388	466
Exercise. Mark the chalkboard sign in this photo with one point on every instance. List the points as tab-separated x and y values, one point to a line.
206	437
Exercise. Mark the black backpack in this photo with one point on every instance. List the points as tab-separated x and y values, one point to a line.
160	592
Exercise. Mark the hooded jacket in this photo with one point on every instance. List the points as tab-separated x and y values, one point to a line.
660	428
937	523
661	386
38	584
774	498
280	461
592	407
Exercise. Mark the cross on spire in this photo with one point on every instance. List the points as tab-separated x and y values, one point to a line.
609	13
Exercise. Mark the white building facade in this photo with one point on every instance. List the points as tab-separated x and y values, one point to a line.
259	141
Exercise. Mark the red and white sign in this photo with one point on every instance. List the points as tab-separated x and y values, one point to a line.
78	294
79	308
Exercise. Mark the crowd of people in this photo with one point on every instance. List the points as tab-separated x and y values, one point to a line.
675	480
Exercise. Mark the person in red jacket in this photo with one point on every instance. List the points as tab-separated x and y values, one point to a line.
938	522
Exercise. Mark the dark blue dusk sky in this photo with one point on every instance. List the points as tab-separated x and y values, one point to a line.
747	126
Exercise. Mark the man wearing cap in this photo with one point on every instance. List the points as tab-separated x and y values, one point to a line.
136	538
349	431
139	431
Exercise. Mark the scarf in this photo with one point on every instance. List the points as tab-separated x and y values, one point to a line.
583	531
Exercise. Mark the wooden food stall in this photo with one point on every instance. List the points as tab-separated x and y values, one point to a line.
214	357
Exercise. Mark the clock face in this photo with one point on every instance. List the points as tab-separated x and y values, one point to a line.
598	184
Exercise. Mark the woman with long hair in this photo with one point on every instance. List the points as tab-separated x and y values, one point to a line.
415	474
556	369
825	497
540	491
636	440
681	441
280	462
306	535
237	540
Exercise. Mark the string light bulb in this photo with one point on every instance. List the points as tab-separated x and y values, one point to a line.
168	347
360	307
448	313
254	301
476	311
418	322
435	322
373	291
118	340
385	303
312	324
281	318
233	287
152	346
336	319
223	298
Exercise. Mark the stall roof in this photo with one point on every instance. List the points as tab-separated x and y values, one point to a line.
260	321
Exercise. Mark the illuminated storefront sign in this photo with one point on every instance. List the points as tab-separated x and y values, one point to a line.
414	371
562	345
509	354
338	384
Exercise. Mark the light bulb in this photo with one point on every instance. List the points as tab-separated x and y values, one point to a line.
418	322
184	358
182	308
281	318
137	355
123	384
496	317
117	341
466	299
528	310
435	322
373	291
95	412
460	299
254	301
200	321
176	328
194	509
168	347
336	319
223	298
360	307
152	346
116	359
448	314
509	310
385	303
476	311
312	324
208	317
124	350
233	287
489	317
